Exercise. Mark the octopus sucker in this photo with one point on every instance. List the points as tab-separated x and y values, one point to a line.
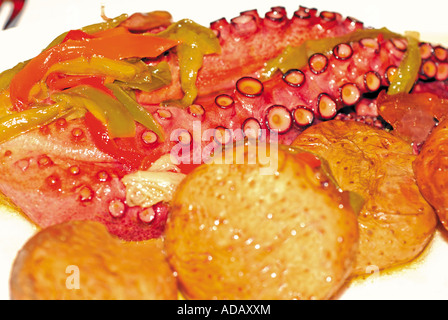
372	81
224	92
303	116
278	119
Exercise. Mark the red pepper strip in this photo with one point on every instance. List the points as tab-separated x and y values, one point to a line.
187	168
114	47
57	81
309	158
77	35
126	150
98	131
312	160
129	45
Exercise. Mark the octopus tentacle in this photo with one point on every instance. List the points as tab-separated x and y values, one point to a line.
232	103
269	35
434	70
344	81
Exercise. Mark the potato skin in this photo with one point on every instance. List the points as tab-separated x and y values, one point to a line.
109	269
396	222
431	171
234	233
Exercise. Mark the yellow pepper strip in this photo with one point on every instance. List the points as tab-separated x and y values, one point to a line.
108	24
408	70
5	103
18	123
197	41
7	75
117	69
104	107
140	114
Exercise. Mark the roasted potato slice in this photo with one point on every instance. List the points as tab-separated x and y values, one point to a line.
396	222
242	231
80	260
431	171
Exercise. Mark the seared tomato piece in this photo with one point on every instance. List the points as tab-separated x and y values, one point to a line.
431	171
412	116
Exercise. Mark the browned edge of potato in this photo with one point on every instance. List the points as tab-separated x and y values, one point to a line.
395	223
80	260
238	232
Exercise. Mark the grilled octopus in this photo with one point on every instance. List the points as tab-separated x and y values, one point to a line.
277	73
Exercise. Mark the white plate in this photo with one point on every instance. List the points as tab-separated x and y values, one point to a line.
43	20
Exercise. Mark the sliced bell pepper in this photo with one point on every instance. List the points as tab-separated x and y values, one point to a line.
197	41
90	29
80	34
104	107
105	25
5	103
77	35
116	69
99	29
110	32
156	77
60	82
7	75
17	123
408	70
99	133
140	114
113	47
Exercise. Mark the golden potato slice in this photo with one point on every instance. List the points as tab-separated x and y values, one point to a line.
431	171
238	231
81	260
396	222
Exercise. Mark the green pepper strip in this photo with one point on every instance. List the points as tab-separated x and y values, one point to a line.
139	114
7	75
356	200
408	70
18	123
297	57
108	24
155	78
197	41
116	69
104	107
